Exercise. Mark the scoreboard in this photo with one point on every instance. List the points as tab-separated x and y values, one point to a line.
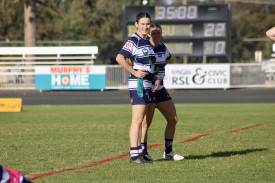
191	30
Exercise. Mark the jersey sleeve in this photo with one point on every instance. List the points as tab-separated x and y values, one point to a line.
128	48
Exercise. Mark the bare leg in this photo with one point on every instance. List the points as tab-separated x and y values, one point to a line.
138	112
168	110
147	122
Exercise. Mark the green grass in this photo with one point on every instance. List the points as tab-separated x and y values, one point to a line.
44	139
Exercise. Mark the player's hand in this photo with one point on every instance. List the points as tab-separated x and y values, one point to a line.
156	84
140	73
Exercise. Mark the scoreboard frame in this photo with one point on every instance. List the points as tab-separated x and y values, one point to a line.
188	30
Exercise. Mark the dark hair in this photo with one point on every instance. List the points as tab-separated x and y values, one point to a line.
142	15
155	25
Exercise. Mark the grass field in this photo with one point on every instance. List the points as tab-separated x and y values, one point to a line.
89	143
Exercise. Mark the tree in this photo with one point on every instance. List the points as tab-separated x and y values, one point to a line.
30	22
251	21
100	23
11	20
30	29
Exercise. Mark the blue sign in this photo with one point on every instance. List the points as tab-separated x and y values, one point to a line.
72	78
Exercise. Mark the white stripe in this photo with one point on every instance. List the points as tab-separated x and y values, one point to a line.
134	152
139	67
5	176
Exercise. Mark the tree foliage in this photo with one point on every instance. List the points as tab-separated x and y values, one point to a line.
11	20
251	21
99	22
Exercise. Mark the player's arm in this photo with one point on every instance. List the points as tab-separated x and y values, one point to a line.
168	56
271	33
129	62
123	62
167	61
156	83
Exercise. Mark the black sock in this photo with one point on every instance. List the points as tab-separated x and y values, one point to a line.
144	148
168	145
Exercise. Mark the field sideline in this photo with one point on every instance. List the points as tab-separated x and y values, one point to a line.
89	143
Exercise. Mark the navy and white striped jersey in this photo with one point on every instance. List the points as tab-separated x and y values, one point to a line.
141	53
162	54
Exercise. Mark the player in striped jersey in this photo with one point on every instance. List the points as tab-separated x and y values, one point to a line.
139	50
163	101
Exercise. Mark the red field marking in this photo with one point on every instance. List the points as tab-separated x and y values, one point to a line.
196	138
245	128
38	176
154	145
86	172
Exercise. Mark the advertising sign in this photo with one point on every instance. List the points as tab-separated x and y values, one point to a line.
10	104
197	76
70	77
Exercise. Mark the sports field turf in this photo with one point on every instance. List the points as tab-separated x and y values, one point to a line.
89	143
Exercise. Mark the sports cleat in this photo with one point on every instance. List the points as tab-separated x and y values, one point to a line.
172	156
148	157
145	159
138	161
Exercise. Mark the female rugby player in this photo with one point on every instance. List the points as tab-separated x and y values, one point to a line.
162	99
139	50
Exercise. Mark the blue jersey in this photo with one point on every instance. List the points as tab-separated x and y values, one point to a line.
141	53
162	54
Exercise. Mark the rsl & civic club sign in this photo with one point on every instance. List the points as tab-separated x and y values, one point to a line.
197	76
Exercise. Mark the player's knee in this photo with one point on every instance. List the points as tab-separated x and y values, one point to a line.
144	125
173	121
137	121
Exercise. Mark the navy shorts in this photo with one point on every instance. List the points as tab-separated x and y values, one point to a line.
161	96
146	99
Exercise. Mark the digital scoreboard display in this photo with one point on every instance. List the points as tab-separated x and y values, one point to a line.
191	30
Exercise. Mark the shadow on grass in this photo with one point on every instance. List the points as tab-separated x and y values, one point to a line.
225	154
221	154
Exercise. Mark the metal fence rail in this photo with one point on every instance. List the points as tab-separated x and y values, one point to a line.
17	77
116	77
252	75
241	75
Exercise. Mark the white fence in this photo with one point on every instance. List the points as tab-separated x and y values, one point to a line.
17	68
22	75
241	76
17	64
